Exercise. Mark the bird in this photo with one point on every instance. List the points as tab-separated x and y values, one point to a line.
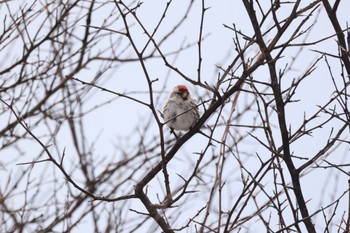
180	111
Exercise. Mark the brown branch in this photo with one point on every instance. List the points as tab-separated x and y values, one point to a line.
340	35
265	50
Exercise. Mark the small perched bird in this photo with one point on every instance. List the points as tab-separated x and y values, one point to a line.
180	110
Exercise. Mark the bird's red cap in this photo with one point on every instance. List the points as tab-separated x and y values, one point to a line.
182	88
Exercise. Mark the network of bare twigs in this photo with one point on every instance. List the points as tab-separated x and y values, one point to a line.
246	164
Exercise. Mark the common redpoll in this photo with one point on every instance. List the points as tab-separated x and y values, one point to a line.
180	110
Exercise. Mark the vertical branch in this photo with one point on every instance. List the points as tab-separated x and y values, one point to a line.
222	155
150	83
139	187
200	59
275	85
332	14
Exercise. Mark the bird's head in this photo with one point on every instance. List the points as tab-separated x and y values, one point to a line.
182	91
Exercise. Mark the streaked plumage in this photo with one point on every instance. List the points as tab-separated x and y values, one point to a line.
180	110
